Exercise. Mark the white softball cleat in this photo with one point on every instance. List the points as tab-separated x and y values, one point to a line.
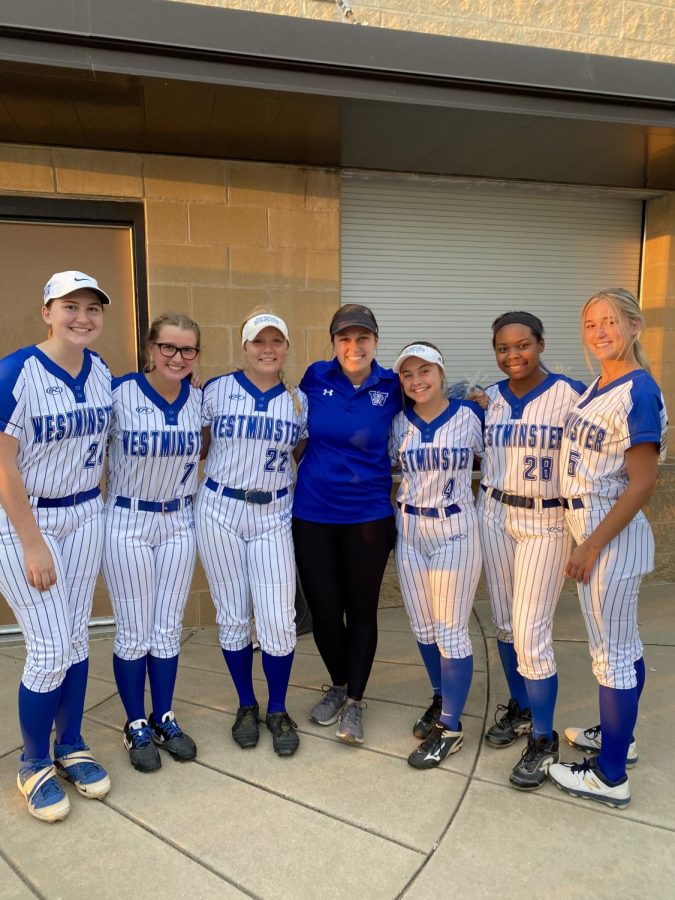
585	780
590	741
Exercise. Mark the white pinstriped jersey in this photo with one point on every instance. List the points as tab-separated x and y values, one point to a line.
253	433
602	425
436	458
523	436
154	445
61	422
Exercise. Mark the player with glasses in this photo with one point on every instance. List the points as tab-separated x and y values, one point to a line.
149	548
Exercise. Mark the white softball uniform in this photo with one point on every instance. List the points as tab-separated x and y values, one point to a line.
438	557
524	539
150	546
243	511
598	430
61	424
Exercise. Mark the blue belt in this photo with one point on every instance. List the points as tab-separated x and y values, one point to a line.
70	500
248	496
431	512
574	503
521	502
160	506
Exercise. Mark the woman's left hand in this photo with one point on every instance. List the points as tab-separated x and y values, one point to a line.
581	562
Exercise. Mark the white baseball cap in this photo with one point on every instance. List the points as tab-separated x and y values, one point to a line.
256	324
63	283
421	351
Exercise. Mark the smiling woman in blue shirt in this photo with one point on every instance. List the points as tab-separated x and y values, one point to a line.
343	522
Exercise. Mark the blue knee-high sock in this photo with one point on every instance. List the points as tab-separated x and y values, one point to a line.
240	664
639	666
277	671
515	681
431	657
456	677
162	677
541	697
618	714
130	678
70	710
36	717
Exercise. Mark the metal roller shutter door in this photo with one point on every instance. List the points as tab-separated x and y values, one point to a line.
440	261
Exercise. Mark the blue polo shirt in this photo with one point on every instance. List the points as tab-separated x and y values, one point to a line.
344	475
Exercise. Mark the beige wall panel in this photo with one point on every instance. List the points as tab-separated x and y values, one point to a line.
638	29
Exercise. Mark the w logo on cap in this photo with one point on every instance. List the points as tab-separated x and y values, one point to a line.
378	398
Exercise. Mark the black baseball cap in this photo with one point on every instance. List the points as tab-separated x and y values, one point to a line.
353	316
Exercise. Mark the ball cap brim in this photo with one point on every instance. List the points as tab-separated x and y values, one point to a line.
63	283
421	351
255	325
352	319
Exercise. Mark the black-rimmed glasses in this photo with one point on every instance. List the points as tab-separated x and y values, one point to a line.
170	350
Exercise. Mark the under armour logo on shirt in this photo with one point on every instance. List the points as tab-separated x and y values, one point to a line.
378	398
328	392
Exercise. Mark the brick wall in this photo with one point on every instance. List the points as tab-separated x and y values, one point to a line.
222	237
638	29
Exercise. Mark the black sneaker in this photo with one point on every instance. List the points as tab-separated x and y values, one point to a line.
168	735
427	720
143	754
245	729
514	723
440	742
285	738
530	773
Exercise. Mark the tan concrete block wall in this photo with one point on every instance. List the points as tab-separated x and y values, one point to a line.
637	29
222	238
658	298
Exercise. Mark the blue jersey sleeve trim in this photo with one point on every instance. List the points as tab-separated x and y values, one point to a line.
121	379
644	419
11	368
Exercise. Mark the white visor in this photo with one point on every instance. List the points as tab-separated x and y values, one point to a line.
421	351
265	320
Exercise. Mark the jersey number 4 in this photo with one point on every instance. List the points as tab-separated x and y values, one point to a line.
90	459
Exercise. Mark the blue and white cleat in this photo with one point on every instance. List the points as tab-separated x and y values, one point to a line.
44	795
75	763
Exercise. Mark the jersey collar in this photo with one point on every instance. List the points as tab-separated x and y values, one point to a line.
518	404
262	398
428	429
170	410
77	384
596	391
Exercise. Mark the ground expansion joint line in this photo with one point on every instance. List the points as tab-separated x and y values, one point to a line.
469	779
23	878
110	804
303	804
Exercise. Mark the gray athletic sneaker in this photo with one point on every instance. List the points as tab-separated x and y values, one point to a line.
327	710
350	729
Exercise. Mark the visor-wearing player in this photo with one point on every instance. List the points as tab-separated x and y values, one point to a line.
608	469
438	557
150	548
256	419
54	417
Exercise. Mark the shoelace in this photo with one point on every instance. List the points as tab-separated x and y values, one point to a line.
50	788
584	766
351	713
83	770
505	718
141	737
332	693
432	738
170	730
592	733
285	723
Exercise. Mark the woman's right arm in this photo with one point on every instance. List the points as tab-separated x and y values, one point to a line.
38	561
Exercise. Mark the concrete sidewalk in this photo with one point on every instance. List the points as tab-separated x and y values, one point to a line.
336	821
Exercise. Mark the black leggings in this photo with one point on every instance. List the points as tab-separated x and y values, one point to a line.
341	569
